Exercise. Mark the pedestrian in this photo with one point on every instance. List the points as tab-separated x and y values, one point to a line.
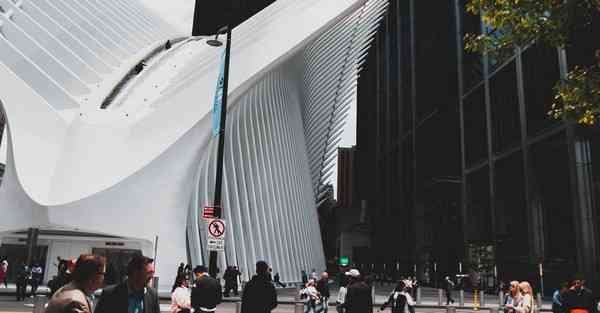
277	280
259	294
132	295
578	299
323	289
514	299
557	298
270	274
311	296
528	302
341	296
415	286
3	272
410	301
22	277
396	300
313	275
231	276
358	295
180	270
206	293
180	297
448	286
87	277
37	275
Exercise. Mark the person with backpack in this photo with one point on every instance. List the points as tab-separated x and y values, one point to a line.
396	300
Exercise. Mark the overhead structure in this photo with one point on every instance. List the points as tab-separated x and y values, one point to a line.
109	133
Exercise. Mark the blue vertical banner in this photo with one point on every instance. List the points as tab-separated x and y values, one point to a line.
218	100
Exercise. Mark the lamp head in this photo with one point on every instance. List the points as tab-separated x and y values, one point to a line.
214	42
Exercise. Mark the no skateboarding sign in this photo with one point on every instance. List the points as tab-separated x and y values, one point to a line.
216	235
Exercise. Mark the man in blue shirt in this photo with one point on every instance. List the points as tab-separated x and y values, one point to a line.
133	295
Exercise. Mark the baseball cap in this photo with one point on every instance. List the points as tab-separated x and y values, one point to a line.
353	273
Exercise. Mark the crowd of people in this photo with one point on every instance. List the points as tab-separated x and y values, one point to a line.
73	290
205	293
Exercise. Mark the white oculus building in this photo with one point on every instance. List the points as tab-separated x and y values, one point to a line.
103	159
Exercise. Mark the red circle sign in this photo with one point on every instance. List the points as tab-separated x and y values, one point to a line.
216	228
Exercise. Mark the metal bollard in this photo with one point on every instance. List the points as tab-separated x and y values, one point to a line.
481	298
373	294
539	301
501	298
299	308
440	295
419	296
238	307
297	296
461	298
39	303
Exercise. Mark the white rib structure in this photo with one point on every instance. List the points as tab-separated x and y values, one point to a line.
95	148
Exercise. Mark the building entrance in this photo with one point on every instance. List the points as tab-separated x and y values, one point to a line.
17	254
116	263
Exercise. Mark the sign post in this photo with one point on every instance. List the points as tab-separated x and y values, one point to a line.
216	234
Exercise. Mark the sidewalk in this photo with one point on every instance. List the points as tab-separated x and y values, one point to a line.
429	297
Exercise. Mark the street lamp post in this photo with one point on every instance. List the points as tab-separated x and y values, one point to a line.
213	258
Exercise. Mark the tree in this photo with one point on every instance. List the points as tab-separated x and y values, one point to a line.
518	23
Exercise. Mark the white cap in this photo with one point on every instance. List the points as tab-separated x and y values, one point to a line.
353	273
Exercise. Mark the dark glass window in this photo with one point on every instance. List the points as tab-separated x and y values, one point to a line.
506	126
475	127
478	207
551	190
585	43
510	206
540	74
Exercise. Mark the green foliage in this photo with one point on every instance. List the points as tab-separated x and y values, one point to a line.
578	96
517	23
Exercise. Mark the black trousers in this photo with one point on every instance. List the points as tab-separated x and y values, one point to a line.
21	290
449	296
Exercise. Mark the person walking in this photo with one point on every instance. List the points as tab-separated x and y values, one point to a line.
311	296
448	286
180	270
259	294
323	289
37	275
304	277
410	301
514	298
180	297
579	299
277	280
87	277
397	300
341	296
206	293
557	298
3	272
132	295
358	295
313	275
528	302
231	276
22	277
